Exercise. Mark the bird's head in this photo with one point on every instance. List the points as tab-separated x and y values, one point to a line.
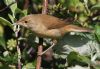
25	21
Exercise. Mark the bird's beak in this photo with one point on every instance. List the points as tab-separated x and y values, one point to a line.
21	24
17	23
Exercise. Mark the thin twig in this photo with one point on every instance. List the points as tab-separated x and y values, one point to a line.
16	29
48	49
39	58
26	4
19	57
45	7
40	47
53	44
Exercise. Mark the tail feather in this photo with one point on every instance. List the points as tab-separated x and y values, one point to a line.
73	28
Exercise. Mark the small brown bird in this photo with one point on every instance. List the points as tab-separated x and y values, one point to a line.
48	26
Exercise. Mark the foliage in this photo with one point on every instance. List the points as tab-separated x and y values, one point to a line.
74	49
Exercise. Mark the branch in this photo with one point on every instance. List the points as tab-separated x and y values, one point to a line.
48	49
45	7
16	30
40	47
26	4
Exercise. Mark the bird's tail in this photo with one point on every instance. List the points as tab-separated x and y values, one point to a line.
74	28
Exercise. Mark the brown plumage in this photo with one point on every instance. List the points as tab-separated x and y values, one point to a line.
48	26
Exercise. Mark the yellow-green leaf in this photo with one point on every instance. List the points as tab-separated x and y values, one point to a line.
5	22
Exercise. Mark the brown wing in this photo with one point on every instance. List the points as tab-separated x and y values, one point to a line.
50	22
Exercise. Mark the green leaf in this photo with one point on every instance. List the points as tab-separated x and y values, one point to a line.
29	66
82	17
83	59
7	2
10	58
92	2
97	28
21	12
62	1
76	57
97	31
1	30
2	42
73	2
11	18
13	6
5	22
24	12
72	55
97	6
97	67
18	10
75	5
69	3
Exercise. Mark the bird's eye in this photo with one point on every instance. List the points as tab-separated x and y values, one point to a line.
26	21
